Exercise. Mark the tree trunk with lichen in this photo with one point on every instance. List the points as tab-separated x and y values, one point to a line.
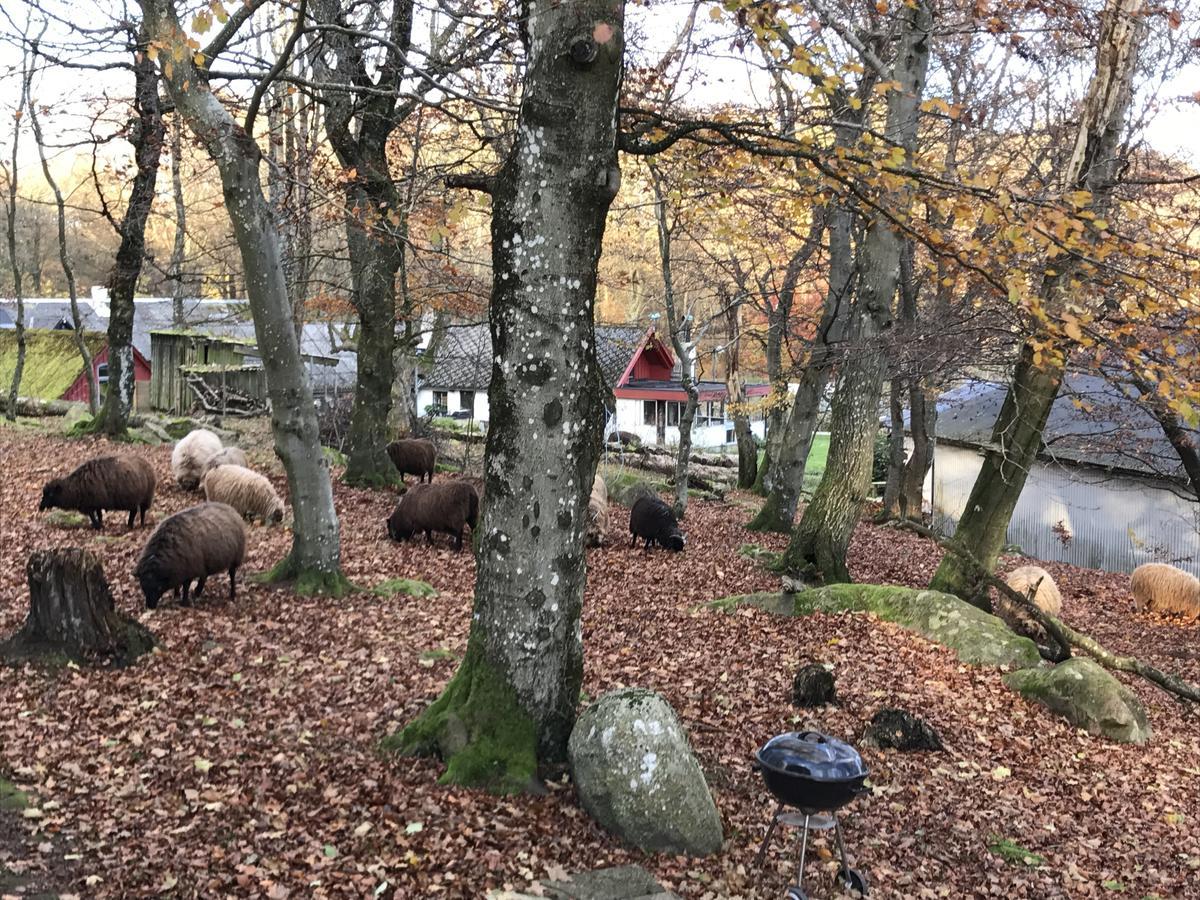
1017	435
147	138
511	705
72	614
314	562
817	550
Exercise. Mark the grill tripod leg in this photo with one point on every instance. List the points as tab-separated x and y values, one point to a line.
762	850
803	853
837	831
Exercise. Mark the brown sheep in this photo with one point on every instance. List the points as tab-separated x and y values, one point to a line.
413	456
200	541
230	456
446	506
106	482
1165	589
597	514
1048	599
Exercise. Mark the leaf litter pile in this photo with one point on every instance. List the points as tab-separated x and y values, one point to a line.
242	757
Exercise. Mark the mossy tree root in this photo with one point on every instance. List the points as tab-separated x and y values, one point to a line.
308	582
771	517
478	728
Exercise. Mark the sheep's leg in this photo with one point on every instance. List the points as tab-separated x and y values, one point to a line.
649	541
458	540
232	583
200	585
633	542
185	599
429	537
132	518
94	519
144	516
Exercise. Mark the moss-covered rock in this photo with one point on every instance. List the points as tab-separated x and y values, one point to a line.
977	638
624	486
1085	694
637	776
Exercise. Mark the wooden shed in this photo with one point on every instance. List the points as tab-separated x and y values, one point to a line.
218	373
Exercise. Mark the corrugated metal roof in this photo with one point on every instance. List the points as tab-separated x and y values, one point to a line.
464	358
1093	422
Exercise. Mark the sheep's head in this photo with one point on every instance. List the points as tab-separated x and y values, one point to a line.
675	541
153	584
51	494
276	514
395	532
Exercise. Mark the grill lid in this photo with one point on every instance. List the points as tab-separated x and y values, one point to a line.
813	755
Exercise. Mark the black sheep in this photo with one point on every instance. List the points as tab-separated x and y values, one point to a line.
446	506
653	520
413	456
193	544
106	482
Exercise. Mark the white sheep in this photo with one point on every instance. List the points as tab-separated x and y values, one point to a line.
1048	599
597	514
190	455
245	490
230	456
1165	589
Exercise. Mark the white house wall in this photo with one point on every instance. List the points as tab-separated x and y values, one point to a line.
630	418
1114	522
454	403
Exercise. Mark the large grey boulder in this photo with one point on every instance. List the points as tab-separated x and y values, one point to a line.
977	637
1085	694
637	776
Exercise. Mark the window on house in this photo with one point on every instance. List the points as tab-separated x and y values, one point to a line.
440	401
673	413
466	400
102	373
649	412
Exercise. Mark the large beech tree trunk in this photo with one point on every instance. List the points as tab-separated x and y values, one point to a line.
1017	435
147	137
315	558
72	614
817	550
511	704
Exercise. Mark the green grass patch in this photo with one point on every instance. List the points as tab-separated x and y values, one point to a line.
10	797
437	654
67	518
410	586
334	456
1010	851
818	457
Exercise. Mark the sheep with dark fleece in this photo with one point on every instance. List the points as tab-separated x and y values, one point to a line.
446	506
200	541
653	520
413	456
106	482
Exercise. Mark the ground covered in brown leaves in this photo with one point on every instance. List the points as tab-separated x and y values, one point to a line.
241	758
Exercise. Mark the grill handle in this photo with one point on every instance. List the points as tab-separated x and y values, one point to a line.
813	736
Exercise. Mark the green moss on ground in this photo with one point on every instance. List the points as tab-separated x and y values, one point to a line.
10	797
67	518
437	654
334	456
410	586
478	728
1010	851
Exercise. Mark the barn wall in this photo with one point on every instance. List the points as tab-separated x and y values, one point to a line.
1080	515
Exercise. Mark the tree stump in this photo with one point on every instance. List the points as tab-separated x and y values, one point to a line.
813	686
72	615
895	729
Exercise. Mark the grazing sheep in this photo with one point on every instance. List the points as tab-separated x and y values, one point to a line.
106	482
597	514
190	455
230	456
245	490
193	544
653	520
1048	599
1166	589
446	506
413	456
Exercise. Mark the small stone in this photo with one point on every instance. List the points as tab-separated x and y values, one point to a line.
813	686
896	729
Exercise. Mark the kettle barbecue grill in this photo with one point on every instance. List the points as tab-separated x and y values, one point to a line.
815	774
